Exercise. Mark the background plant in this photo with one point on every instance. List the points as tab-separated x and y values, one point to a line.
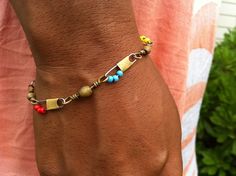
216	140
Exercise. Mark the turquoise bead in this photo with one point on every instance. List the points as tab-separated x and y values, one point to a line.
110	79
120	73
115	78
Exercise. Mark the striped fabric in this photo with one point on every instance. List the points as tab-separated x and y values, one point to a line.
183	32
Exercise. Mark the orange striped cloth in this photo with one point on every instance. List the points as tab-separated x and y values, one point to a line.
183	32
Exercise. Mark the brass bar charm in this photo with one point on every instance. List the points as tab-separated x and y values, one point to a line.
54	103
125	63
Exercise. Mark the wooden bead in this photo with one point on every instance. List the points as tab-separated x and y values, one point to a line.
30	95
85	91
30	88
143	52
147	48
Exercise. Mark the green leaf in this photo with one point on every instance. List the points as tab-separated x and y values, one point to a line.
208	160
216	137
217	120
234	148
222	173
212	170
221	138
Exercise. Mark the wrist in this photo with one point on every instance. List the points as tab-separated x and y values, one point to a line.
90	56
62	83
71	75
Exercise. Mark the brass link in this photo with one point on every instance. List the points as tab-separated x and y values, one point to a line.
126	63
67	100
53	103
137	55
95	85
74	96
33	101
85	91
99	81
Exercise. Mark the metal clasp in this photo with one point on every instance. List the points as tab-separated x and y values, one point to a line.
125	63
54	103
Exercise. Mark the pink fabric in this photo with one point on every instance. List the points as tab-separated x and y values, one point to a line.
17	156
183	33
164	22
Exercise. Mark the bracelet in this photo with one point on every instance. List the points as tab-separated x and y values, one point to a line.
42	106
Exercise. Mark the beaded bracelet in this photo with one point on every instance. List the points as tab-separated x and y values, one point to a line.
42	106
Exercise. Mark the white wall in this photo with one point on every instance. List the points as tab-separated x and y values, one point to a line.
226	19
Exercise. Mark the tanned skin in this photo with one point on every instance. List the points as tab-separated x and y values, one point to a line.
130	128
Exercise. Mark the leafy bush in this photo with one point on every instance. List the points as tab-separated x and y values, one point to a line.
216	140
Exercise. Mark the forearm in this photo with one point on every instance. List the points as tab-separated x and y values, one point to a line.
120	126
80	39
81	32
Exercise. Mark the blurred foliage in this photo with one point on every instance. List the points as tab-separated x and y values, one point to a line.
216	140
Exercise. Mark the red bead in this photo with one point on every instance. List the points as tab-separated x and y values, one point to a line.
41	110
36	107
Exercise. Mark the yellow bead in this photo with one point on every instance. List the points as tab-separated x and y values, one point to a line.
142	38
145	39
85	91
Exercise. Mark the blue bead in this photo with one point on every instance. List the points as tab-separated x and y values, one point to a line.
115	78
110	79
120	73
